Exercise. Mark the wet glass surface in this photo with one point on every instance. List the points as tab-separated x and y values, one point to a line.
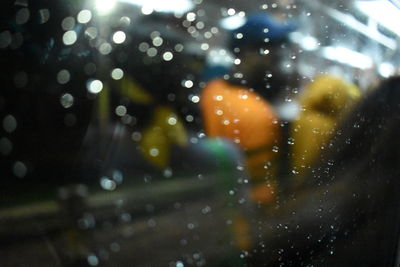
199	133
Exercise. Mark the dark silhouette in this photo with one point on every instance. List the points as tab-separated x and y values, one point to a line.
349	213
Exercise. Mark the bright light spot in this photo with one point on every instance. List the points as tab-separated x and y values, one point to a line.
386	69
384	12
167	56
237	61
84	16
172	121
231	12
117	74
219	98
188	84
191	16
147	10
239	35
195	99
233	22
95	86
120	110
105	6
347	56
67	100
154	152
107	184
179	264
158	41
69	37
171	6
119	37
204	46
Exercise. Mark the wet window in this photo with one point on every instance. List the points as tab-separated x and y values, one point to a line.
199	133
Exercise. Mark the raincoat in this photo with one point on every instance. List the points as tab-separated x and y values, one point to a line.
324	102
244	117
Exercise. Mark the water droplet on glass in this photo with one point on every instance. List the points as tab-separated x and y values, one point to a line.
195	99
158	41
167	56
19	169
67	100
119	37
188	83
93	260
117	74
105	48
107	184
68	23
172	120
22	16
5	146
44	15
63	76
84	16
120	110
136	136
154	152
151	52
69	37
95	86
5	39
9	123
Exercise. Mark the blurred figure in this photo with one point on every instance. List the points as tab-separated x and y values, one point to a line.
324	103
150	96
239	108
349	213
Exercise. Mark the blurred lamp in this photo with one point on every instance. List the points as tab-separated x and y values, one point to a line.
347	56
385	12
175	6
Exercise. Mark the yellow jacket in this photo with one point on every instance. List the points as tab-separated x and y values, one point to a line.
324	103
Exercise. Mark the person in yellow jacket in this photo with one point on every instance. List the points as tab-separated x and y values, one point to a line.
164	129
323	103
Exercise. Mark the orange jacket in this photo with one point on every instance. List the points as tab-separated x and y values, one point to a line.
248	120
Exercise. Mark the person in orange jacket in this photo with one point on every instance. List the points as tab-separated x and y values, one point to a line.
239	108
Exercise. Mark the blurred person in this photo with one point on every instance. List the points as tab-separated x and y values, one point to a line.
154	63
323	103
239	108
348	215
